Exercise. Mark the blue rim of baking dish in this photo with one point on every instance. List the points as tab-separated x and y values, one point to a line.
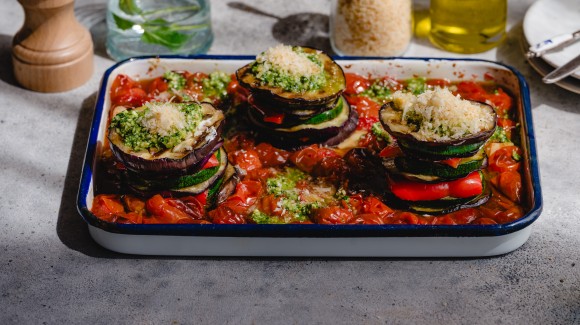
311	230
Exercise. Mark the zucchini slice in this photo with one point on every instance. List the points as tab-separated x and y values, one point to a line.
423	169
182	185
438	152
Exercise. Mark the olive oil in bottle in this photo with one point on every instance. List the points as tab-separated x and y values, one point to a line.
467	26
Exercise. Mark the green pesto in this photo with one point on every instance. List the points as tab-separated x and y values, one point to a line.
283	187
260	217
341	195
216	84
275	78
417	85
516	156
378	130
499	135
378	92
175	80
129	125
414	119
285	183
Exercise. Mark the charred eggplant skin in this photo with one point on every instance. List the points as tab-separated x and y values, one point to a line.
335	85
440	150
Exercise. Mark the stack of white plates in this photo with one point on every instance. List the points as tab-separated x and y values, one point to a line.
546	19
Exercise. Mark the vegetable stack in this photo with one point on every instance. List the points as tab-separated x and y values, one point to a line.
295	97
172	148
442	138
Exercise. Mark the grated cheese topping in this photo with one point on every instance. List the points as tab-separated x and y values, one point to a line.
437	115
163	118
285	59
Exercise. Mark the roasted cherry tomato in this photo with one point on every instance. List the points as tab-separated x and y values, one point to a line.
238	141
133	204
332	215
104	206
484	221
166	210
306	159
133	97
245	197
505	159
157	86
510	184
368	219
501	101
127	92
354	203
247	159
235	89
225	215
465	216
270	156
372	205
472	91
367	109
443	220
355	83
405	218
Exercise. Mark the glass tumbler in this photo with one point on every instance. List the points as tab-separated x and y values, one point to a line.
467	26
155	27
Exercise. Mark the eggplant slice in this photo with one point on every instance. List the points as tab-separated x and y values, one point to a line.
329	133
291	118
335	85
182	185
438	150
181	159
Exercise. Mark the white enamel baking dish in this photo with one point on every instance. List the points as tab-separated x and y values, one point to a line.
318	240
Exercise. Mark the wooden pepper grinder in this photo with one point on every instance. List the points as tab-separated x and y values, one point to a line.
52	52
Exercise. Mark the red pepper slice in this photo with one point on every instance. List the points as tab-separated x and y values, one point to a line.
451	162
211	162
276	119
469	186
390	151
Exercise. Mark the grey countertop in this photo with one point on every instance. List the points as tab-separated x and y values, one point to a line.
52	272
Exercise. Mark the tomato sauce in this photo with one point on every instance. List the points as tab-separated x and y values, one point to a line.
325	172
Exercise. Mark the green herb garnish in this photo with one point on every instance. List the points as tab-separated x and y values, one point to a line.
417	85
